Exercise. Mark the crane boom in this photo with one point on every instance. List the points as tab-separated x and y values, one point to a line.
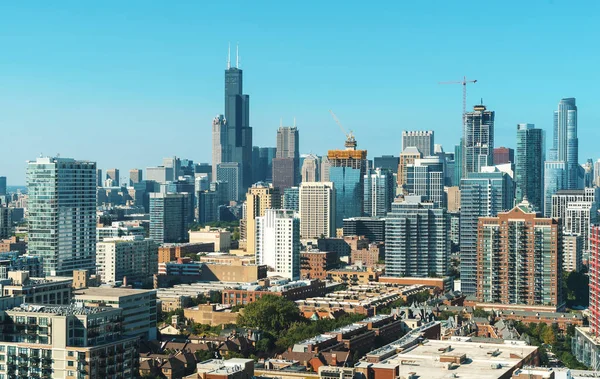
338	122
464	83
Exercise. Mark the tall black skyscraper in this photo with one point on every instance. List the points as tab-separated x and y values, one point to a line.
237	114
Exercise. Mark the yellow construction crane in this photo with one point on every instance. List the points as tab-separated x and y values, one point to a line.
350	140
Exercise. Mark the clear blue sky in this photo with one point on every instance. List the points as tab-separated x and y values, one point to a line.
126	83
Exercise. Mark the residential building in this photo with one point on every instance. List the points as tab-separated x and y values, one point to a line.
503	155
133	259
417	239
453	198
478	139
578	210
315	264
207	207
37	290
407	157
317	202
169	216
278	242
353	276
220	238
371	227
347	171
138	307
211	314
311	169
529	165
62	214
172	251
421	139
554	180
425	177
3	186
13	244
119	229
565	144
16	261
235	368
368	257
379	192
5	221
113	175
62	341
481	195
519	258
231	173
259	198
572	253
291	199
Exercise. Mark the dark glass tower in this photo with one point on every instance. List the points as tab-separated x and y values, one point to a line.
529	170
239	132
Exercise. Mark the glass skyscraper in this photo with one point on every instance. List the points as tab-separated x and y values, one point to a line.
425	177
478	140
169	217
291	199
417	239
565	145
482	194
348	183
529	167
379	191
62	214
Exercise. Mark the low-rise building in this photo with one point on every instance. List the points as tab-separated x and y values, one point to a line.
315	264
368	257
300	289
187	270
120	229
235	368
16	261
13	244
169	252
221	238
37	290
138	306
211	314
59	341
354	275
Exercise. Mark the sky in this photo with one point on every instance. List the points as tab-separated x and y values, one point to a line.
126	83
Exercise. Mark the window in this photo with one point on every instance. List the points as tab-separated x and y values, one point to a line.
70	363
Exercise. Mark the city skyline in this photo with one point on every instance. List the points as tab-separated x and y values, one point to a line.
128	95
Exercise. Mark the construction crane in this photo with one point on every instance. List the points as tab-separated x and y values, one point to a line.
350	140
464	83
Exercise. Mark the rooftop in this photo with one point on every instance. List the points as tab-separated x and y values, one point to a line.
108	292
61	310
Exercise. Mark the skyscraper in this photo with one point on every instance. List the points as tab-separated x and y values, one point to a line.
311	169
291	199
278	242
407	156
99	178
417	239
169	217
478	140
347	171
458	163
386	162
529	165
379	192
421	139
555	179
482	194
239	132
62	214
503	155
425	177
565	145
135	176
259	198
286	165
220	144
231	173
2	185
519	258
113	174
317	209
578	210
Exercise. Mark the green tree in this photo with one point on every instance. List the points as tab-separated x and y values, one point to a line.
273	314
548	336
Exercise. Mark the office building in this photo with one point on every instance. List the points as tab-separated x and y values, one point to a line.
5	221
453	198
62	341
325	166
207	207
481	195
379	192
99	178
133	258
572	253
565	144
113	175
588	173
311	169
3	186
578	210
278	242
425	177
259	198
503	155
597	173
421	139
231	174
220	143
160	174
169	217
478	140
135	176
264	168
284	173
317	209
372	228
529	165
174	164
458	163
347	171
417	240
386	162
407	157
286	165
519	258
138	307
555	179
62	214
291	199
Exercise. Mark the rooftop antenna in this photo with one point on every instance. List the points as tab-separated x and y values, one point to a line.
229	56
482	101
237	55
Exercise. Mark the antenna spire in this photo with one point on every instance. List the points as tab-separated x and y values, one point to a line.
237	55
229	56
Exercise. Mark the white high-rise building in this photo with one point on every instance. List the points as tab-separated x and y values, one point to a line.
278	242
133	257
317	209
62	214
578	210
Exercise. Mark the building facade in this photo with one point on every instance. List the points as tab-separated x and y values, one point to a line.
565	144
62	214
379	192
519	258
311	167
134	258
579	211
529	165
478	140
317	204
421	139
169	217
425	177
278	242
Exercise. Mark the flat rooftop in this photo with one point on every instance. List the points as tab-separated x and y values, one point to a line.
61	310
483	361
108	292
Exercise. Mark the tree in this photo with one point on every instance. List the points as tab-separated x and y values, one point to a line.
548	336
273	314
